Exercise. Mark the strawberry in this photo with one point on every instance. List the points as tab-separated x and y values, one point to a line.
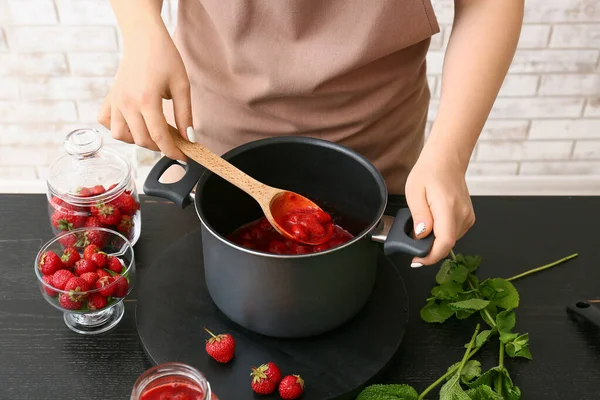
221	348
90	278
61	205
108	214
261	384
60	278
93	222
111	187
89	251
84	192
121	287
49	263
68	303
102	273
97	190
48	280
114	264
67	220
96	302
83	266
291	387
97	238
75	286
271	370
125	224
126	204
68	240
99	259
106	284
69	257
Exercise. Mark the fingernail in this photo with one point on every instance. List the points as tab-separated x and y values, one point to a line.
416	265
420	228
191	134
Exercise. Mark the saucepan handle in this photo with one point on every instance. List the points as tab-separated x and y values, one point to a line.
179	192
586	310
394	234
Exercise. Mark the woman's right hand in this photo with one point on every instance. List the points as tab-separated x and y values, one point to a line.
151	70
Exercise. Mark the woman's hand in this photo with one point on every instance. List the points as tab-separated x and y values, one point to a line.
151	70
439	200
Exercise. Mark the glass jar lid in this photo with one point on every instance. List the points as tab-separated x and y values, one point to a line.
87	165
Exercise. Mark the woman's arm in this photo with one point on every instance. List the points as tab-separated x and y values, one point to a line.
481	47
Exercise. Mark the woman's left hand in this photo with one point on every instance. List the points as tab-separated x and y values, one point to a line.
439	200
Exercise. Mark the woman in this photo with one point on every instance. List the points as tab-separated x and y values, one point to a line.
348	71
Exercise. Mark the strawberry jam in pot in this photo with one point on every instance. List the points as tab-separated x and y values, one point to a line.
261	236
172	381
304	222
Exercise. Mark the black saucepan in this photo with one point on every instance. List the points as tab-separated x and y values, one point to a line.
292	295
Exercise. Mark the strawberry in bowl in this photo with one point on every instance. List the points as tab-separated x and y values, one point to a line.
85	281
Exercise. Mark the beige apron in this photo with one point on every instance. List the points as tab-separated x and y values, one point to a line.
348	71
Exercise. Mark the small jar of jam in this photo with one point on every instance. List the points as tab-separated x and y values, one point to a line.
92	186
172	381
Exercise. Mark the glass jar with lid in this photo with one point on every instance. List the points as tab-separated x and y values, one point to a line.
92	186
172	380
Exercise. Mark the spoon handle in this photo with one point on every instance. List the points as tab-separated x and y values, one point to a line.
221	167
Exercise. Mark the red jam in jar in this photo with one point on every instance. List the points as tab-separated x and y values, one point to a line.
172	381
261	236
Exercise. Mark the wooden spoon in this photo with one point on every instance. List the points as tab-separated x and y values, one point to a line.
282	208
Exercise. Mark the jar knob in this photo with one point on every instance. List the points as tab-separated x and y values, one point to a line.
83	143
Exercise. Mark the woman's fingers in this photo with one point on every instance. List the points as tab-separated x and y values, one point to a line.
103	116
118	126
444	230
139	131
158	128
182	107
419	208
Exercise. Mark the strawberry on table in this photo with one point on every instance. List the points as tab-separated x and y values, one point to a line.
114	264
125	224
108	214
60	278
99	259
106	284
68	303
90	278
220	347
121	286
48	280
96	302
271	371
261	384
69	257
82	266
291	387
49	263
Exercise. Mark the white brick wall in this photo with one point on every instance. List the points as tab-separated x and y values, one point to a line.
58	57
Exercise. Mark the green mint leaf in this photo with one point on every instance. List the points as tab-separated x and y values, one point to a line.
489	312
473	281
508	337
501	292
483	393
388	392
446	291
489	378
470	371
459	273
471	262
518	346
469	305
505	321
445	273
436	312
482	338
523	339
461	314
452	390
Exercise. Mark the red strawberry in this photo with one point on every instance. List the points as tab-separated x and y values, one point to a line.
84	192
90	278
220	347
96	302
60	278
89	251
68	240
83	266
114	264
99	259
261	384
102	273
111	187
271	370
108	214
126	204
291	387
75	286
48	280
106	284
68	303
93	222
97	190
67	220
122	287
96	237
125	224
49	263
70	257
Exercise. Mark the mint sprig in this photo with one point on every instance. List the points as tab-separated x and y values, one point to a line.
459	293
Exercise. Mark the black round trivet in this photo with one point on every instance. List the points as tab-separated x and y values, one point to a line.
174	305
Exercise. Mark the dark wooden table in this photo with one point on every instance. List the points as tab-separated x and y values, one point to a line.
41	359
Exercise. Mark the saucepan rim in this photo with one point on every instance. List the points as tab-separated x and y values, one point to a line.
303	140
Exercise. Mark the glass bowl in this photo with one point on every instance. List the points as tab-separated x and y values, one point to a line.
172	380
86	273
